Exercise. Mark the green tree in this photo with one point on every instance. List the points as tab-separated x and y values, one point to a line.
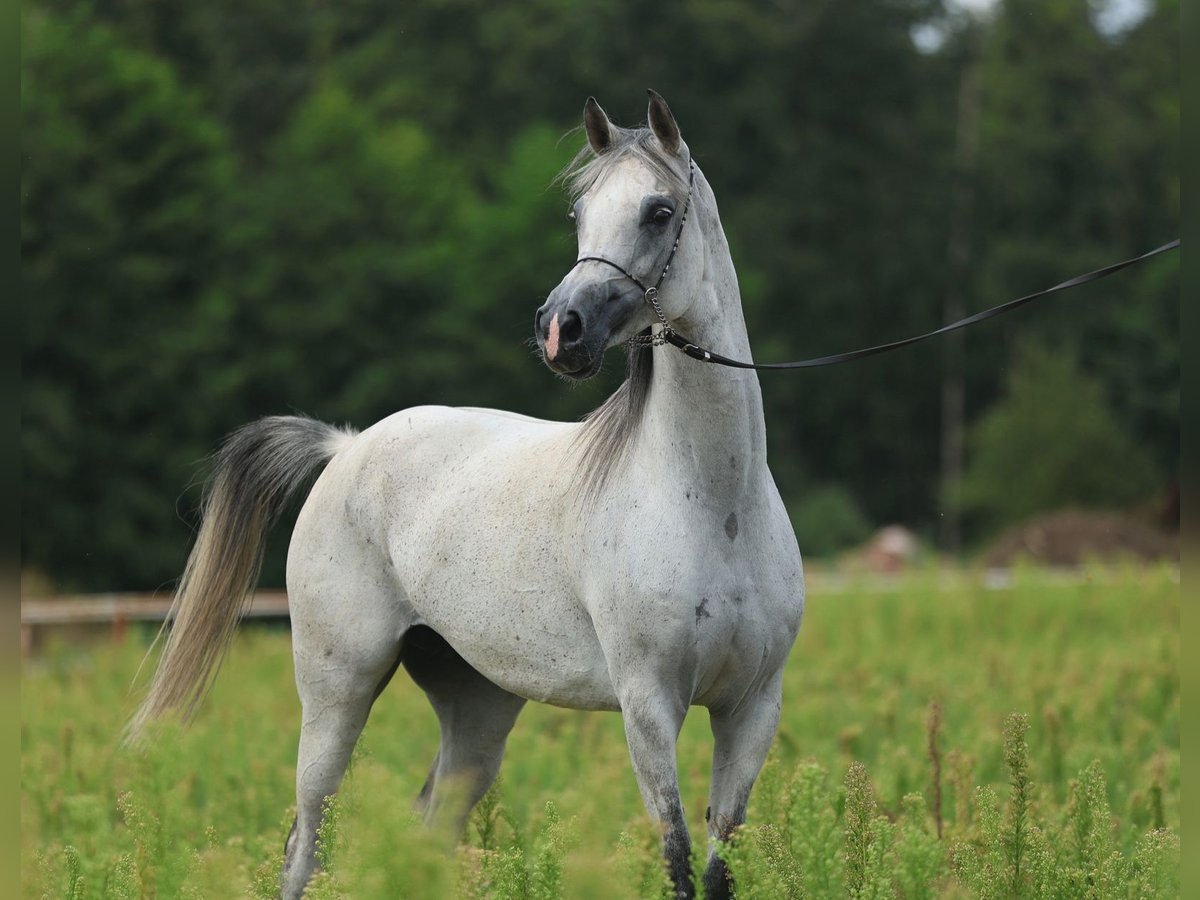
344	209
249	62
123	184
1052	442
1079	166
338	247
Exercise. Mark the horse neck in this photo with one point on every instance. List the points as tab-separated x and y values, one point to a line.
707	420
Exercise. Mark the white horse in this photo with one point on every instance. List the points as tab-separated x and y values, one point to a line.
639	561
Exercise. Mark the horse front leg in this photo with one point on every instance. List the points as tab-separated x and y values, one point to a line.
652	722
742	738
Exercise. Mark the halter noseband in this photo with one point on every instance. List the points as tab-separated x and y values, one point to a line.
650	294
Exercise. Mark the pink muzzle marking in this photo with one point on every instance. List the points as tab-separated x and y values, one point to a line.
552	339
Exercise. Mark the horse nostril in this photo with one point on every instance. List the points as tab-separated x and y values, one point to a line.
570	327
539	320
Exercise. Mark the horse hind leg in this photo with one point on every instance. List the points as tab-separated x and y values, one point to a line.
475	716
343	657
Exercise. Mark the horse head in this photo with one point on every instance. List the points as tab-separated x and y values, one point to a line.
631	191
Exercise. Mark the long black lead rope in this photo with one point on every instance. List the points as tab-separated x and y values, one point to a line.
670	336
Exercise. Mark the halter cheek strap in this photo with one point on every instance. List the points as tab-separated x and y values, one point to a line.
650	294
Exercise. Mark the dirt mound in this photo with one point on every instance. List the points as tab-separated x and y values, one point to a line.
1072	538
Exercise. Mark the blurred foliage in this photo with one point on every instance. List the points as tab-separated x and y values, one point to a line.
125	191
237	209
1050	443
826	519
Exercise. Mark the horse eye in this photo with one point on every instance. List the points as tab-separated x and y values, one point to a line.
662	215
571	215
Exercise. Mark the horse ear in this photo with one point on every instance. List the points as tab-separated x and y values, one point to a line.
662	123
599	130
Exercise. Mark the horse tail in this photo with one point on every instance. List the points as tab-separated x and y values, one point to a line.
256	471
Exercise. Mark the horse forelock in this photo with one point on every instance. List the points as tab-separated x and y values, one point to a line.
586	169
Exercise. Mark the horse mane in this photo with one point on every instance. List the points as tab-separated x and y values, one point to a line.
609	429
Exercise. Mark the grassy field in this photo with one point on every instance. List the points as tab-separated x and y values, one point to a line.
1075	795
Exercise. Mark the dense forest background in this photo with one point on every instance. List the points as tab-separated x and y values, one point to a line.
233	209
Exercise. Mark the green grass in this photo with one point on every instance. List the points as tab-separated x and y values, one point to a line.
1052	709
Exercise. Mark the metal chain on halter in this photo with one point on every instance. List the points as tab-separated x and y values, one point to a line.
660	339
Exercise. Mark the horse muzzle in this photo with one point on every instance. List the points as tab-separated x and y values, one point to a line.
573	328
565	349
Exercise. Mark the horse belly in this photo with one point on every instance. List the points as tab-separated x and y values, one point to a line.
524	640
477	536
